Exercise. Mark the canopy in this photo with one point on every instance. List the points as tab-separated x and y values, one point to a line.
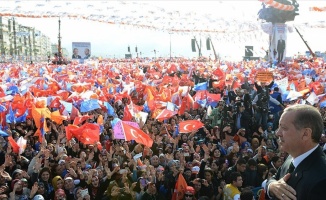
176	16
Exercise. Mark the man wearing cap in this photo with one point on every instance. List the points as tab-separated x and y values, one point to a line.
276	109
69	187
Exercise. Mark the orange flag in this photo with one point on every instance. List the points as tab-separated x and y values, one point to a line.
156	112
100	120
180	188
150	97
57	117
132	133
189	126
37	114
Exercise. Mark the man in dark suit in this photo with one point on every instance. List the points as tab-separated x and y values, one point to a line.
87	53
75	54
303	174
280	48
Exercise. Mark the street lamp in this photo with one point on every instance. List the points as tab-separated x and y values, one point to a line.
170	46
155	52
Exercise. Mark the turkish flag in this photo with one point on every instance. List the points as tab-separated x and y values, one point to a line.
172	69
189	126
87	133
68	131
74	113
165	114
63	94
213	97
132	133
79	120
219	73
126	114
13	144
55	103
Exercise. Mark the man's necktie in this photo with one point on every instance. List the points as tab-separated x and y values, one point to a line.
291	168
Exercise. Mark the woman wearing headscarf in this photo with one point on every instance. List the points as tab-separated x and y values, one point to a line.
57	183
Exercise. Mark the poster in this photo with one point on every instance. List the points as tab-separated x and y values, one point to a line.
81	50
278	42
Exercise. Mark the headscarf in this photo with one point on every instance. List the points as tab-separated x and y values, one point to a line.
54	182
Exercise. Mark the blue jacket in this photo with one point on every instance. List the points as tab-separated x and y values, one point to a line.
272	106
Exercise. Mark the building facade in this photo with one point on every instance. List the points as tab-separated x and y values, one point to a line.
22	43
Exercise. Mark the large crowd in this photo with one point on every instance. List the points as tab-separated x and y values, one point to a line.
234	152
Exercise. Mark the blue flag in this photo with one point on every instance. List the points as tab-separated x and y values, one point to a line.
110	109
89	105
3	134
10	117
202	102
200	86
67	105
322	104
22	118
146	108
3	108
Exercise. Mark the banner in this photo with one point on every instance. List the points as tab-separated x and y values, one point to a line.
81	50
264	77
282	84
117	129
278	42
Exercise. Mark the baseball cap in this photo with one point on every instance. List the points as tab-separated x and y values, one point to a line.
38	197
195	170
61	162
68	178
160	168
250	151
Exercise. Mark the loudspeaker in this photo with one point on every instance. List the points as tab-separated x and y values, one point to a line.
128	48
193	45
208	44
249	50
136	49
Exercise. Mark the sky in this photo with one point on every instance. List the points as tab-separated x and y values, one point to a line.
112	40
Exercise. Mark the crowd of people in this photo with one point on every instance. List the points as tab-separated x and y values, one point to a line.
234	155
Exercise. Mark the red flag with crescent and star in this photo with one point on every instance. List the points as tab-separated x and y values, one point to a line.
132	133
165	114
189	126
